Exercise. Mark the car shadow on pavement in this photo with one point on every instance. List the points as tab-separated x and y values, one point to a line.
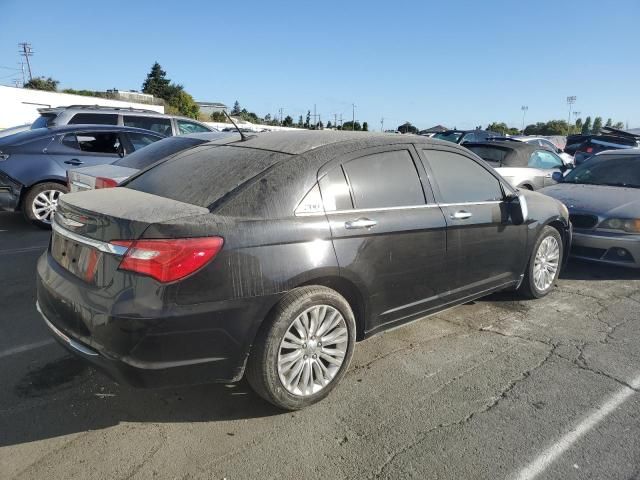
584	270
67	396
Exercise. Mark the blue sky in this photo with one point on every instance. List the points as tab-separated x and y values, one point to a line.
459	63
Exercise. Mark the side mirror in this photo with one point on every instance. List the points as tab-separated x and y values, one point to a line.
557	177
519	209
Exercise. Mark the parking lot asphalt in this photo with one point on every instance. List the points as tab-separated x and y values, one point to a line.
498	388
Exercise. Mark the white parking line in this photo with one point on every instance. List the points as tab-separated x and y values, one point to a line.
551	454
26	348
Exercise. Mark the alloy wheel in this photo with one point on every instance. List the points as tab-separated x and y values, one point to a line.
312	350
546	263
44	205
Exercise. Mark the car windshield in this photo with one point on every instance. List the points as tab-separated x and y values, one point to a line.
611	170
449	136
157	151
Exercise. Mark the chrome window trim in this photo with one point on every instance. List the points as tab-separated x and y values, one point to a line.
408	207
97	244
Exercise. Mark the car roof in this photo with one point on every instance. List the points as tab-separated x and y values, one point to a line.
297	142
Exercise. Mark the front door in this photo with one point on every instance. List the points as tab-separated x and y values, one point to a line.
389	235
485	249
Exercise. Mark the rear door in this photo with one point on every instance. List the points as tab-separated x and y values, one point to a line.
389	235
484	248
86	148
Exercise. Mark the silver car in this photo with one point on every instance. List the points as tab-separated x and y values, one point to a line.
603	198
523	165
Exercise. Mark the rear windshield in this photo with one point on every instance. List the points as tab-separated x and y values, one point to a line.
43	121
613	170
204	174
157	151
448	136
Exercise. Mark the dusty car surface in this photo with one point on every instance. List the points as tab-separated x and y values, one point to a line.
278	251
523	165
603	198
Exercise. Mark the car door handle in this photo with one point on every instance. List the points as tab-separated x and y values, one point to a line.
360	223
73	161
461	215
549	175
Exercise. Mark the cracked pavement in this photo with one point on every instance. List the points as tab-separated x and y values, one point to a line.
478	391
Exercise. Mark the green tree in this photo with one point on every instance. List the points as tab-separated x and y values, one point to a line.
300	122
365	127
157	83
502	128
219	117
181	103
267	118
329	125
586	128
578	127
40	83
307	123
288	121
609	123
619	125
407	128
236	110
351	126
597	125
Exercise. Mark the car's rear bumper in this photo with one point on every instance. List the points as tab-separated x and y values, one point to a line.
610	248
179	345
10	192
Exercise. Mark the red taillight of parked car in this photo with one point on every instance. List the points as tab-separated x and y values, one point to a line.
104	182
168	260
589	150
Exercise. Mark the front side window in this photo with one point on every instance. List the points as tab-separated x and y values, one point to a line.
94	119
185	127
544	160
141	140
155	124
462	180
384	180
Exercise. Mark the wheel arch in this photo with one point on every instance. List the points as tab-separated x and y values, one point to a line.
26	189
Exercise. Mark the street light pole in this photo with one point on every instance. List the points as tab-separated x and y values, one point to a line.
524	109
353	118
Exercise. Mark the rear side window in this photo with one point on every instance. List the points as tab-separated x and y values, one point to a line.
382	180
99	142
204	174
489	154
462	180
185	127
544	160
94	118
155	124
335	191
157	151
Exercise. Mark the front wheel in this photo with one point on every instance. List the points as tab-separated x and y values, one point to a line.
544	265
40	203
304	348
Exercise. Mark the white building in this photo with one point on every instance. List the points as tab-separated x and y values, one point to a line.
19	106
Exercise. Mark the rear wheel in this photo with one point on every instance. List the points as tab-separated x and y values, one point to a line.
41	202
304	348
544	264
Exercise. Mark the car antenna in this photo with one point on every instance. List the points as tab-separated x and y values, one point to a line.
243	137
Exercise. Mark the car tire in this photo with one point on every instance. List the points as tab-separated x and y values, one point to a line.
273	365
38	205
544	264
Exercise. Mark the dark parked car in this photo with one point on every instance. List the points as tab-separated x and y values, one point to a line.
111	174
603	197
34	163
608	139
274	254
166	125
463	136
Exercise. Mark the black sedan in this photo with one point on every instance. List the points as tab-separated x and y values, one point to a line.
271	255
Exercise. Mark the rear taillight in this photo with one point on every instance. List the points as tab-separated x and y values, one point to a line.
168	260
104	182
589	150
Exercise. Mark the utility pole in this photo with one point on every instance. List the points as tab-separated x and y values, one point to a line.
335	121
353	117
382	124
570	101
524	109
26	51
281	110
